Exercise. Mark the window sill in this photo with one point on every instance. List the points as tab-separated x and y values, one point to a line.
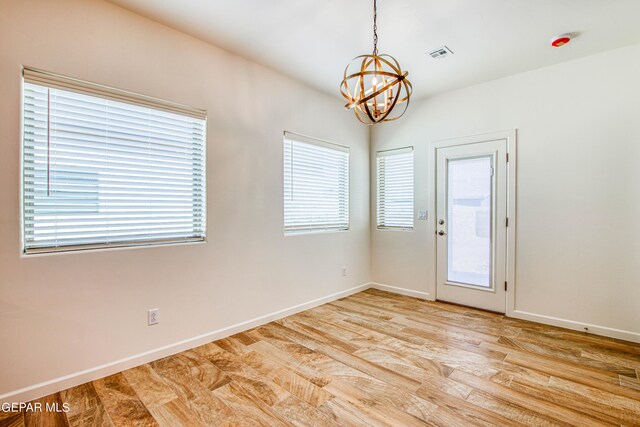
307	232
101	248
406	229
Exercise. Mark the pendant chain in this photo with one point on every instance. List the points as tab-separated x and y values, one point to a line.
375	27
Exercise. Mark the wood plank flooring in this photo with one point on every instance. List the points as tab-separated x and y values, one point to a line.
372	359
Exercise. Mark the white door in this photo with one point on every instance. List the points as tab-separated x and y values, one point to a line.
471	205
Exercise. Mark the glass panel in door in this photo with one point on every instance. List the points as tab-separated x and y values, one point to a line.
469	206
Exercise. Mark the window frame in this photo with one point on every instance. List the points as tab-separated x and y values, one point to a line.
51	80
389	153
308	228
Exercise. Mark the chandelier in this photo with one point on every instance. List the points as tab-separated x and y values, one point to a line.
375	84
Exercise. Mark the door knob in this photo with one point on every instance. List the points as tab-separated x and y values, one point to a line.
441	222
441	233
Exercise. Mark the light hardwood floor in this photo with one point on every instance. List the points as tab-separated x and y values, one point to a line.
373	359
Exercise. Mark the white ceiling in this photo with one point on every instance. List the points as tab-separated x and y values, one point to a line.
313	40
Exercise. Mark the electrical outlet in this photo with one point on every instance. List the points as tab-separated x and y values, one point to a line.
344	271
153	316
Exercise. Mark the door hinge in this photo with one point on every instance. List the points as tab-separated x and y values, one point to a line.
507	157
506	222
505	286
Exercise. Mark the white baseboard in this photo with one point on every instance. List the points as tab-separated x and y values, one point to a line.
577	326
42	389
539	318
401	291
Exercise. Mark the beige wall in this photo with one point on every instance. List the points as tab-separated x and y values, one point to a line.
578	188
61	314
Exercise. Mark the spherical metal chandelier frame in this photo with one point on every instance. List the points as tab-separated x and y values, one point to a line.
374	90
375	84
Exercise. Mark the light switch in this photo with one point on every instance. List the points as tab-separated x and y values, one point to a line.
423	215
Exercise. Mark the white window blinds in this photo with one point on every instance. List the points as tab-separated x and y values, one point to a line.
395	188
104	168
316	185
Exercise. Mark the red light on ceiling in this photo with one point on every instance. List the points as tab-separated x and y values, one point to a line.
561	40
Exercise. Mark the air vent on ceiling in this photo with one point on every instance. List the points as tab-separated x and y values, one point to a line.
441	52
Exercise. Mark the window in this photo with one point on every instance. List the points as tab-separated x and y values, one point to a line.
106	168
316	185
395	188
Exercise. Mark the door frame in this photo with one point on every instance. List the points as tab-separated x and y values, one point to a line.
510	135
